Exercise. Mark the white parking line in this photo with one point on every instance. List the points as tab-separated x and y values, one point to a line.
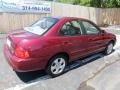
22	86
25	85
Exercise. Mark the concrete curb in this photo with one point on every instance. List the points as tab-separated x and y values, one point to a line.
110	80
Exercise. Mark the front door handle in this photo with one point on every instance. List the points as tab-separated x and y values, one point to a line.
93	39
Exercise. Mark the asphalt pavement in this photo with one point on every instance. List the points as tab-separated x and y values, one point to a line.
96	72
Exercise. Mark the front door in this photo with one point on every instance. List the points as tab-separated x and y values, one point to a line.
93	36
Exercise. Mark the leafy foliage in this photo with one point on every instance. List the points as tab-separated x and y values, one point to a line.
95	3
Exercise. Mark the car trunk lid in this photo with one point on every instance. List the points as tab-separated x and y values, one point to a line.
16	36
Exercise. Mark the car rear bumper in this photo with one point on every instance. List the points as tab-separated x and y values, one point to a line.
23	65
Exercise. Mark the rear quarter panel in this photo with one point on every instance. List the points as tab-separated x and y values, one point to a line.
42	47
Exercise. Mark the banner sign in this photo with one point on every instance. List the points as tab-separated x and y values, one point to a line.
0	6
31	7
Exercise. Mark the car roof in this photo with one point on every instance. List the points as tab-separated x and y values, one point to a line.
65	17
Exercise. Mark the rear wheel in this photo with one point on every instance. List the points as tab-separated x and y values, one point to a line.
56	65
109	48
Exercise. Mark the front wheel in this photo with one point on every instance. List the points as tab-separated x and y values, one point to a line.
109	48
57	65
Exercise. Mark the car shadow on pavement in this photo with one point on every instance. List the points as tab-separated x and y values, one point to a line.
84	61
34	76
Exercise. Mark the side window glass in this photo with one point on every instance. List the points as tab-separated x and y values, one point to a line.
89	28
71	28
65	29
75	28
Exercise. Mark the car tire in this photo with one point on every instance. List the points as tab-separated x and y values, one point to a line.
109	48
56	65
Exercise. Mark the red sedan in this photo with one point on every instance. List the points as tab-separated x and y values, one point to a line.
52	42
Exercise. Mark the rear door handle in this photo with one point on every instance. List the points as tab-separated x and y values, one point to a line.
91	39
67	42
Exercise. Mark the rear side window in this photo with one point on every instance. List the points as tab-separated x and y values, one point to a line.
45	23
41	26
71	28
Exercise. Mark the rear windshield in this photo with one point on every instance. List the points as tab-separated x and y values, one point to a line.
41	26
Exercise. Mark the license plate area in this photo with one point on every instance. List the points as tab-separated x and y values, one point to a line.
9	44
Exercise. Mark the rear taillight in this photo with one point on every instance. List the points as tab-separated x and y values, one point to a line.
21	53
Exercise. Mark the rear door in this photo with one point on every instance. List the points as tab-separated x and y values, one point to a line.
73	40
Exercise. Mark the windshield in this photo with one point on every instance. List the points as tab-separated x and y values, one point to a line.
41	26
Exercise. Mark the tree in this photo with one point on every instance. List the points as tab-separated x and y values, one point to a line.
95	3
